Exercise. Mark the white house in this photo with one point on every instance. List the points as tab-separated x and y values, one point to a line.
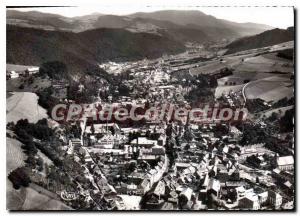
285	163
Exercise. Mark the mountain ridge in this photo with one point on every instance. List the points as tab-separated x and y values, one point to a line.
84	49
214	29
261	40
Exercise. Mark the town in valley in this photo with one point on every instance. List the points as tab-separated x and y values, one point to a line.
72	143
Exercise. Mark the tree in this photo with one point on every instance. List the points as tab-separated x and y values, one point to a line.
31	161
54	69
287	121
273	117
186	147
132	166
19	177
40	164
21	86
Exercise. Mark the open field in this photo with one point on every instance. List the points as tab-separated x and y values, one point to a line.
269	90
24	105
256	60
14	154
262	64
268	76
37	84
14	198
38	198
280	111
15	67
33	198
214	66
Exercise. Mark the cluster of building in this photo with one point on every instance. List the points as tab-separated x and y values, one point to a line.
16	71
170	165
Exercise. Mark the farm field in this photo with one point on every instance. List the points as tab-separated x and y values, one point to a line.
254	66
15	67
24	105
268	76
32	198
250	60
14	154
280	111
14	198
13	85
38	198
269	90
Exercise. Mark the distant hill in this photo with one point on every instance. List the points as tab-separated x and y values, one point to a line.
36	19
267	38
193	26
29	46
207	23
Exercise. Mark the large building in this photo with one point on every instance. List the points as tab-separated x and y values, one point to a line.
285	163
109	141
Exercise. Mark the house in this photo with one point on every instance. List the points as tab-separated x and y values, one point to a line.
275	199
214	187
160	189
263	197
242	192
144	186
144	142
250	201
168	206
32	70
12	75
109	141
75	143
285	163
101	128
185	196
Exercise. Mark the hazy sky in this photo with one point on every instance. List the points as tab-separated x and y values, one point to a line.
280	17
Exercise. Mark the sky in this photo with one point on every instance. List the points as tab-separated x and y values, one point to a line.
279	17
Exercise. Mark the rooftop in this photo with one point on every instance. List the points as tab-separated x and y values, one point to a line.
287	160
